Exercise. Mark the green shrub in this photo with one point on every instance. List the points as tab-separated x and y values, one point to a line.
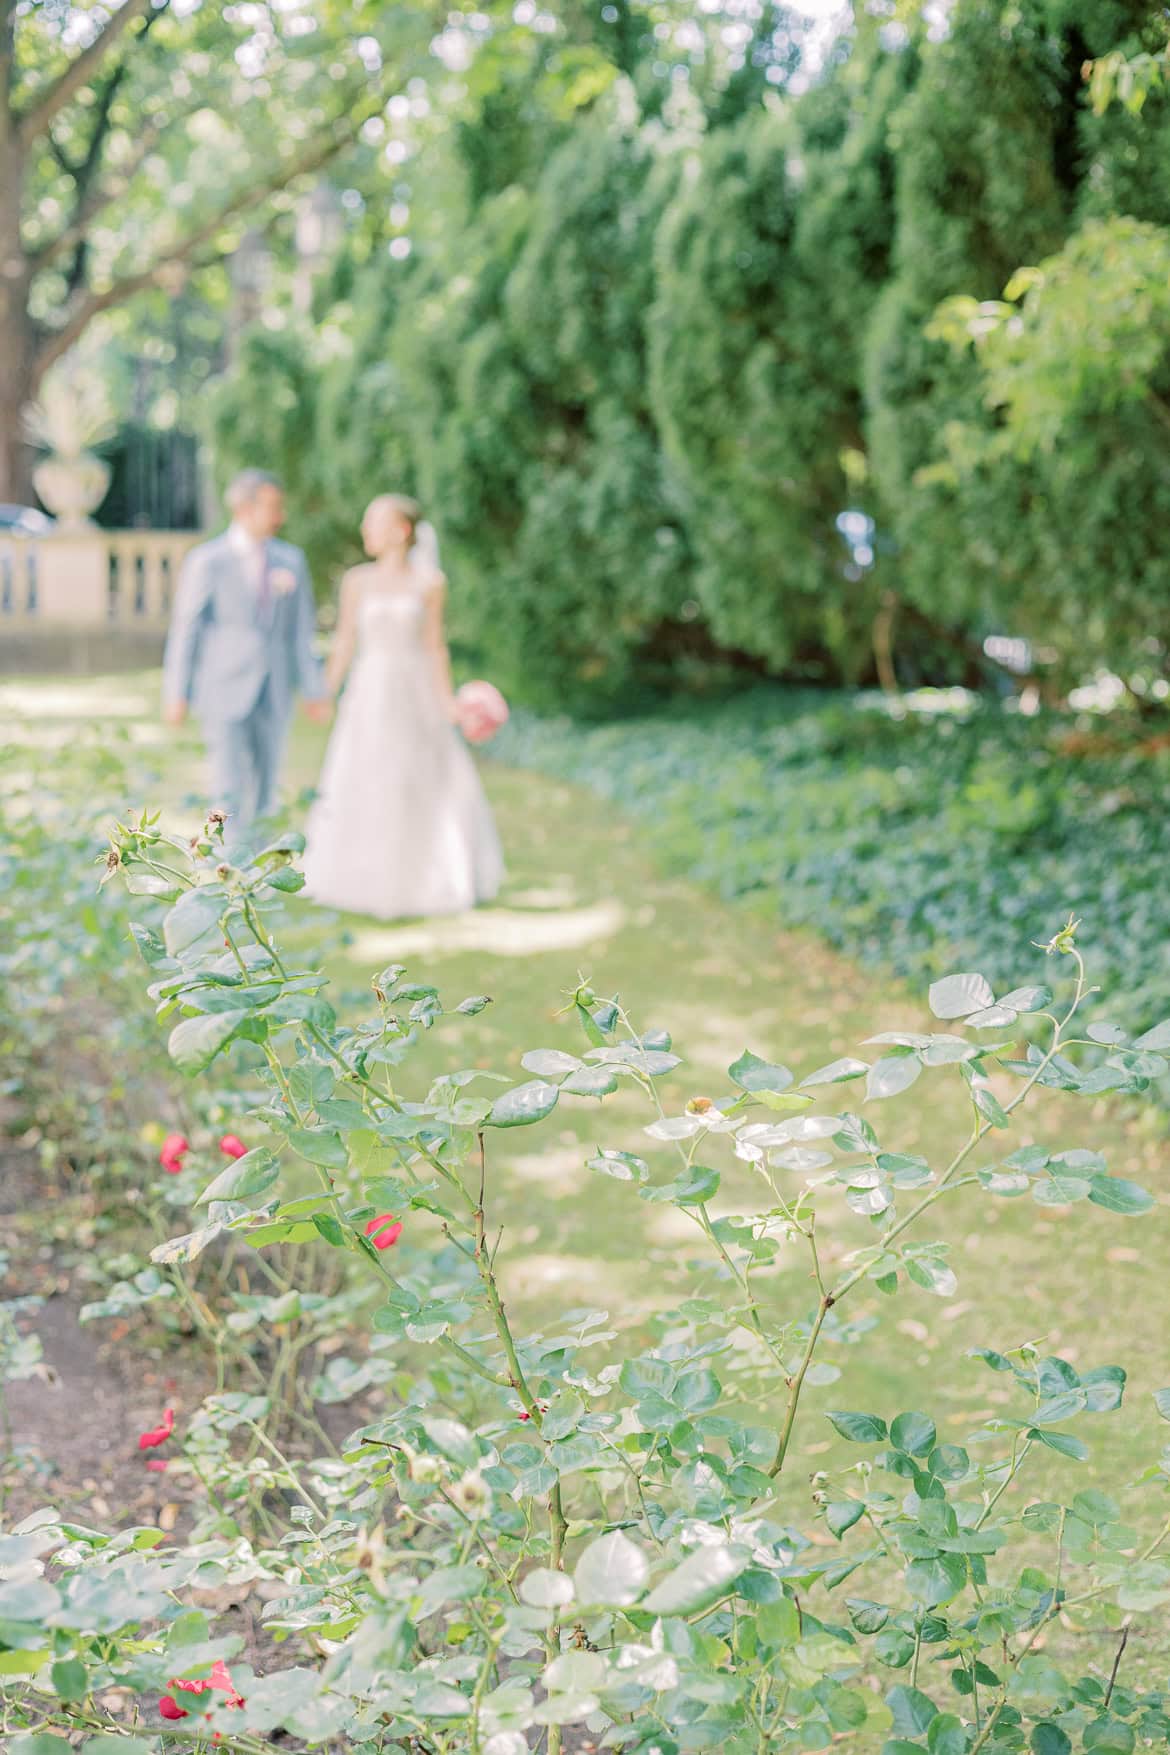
575	1525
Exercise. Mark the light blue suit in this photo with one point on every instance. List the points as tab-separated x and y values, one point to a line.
238	653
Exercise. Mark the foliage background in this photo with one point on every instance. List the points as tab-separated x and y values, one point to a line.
661	314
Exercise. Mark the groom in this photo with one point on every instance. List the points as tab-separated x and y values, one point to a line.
241	646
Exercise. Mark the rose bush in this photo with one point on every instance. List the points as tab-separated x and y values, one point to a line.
578	1526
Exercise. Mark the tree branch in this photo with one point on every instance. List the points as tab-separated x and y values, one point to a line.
35	119
332	139
104	194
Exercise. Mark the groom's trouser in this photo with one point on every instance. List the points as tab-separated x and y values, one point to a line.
245	764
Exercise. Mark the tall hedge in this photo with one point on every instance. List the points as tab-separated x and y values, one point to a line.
769	261
655	339
522	354
999	161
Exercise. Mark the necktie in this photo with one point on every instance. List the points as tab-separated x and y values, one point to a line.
264	596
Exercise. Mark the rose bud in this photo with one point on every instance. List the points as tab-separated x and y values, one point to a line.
385	1231
174	1149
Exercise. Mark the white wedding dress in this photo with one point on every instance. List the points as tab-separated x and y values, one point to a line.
400	827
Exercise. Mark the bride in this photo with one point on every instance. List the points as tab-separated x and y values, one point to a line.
400	826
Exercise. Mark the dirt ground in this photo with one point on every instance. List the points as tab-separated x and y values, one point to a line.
74	1426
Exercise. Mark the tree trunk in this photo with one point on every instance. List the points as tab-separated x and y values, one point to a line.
17	335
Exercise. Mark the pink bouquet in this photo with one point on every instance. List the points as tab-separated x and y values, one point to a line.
480	710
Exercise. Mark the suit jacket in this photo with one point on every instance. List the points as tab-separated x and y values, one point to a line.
222	646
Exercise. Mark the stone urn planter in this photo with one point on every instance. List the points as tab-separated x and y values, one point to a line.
71	488
71	415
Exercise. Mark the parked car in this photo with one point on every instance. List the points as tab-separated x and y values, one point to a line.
24	521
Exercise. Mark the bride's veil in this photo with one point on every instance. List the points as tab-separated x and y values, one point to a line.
424	554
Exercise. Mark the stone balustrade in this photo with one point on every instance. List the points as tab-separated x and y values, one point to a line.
87	597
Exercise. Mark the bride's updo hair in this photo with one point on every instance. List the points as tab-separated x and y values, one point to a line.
407	509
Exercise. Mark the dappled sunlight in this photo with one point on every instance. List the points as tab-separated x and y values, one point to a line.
498	932
558	1169
558	893
99	698
587	1280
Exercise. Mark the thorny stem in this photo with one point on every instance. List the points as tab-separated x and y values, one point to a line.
331	1194
293	1477
558	1523
1018	1658
982	1128
1016	1464
1116	1666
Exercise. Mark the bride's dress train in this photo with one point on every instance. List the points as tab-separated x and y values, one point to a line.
401	826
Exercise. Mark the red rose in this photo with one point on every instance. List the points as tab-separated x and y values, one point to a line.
219	1678
232	1146
174	1149
157	1463
384	1232
158	1434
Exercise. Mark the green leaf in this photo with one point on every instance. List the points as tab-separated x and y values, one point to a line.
931	1274
1109	1736
936	1581
893	1647
286	879
622	1166
778	1623
249	1175
859	1428
107	1744
1158	1038
1025	1000
565	1413
549	1063
590	1081
842	1514
194	1043
948	1735
838	1072
703	1579
196	914
866	1616
1117	1195
1162	1402
543	1588
958	996
1062	1442
330	1229
187	1247
1049	1739
751	1073
611	1572
911	1710
890	1075
524	1104
913	1433
39	1743
70	1679
320	1146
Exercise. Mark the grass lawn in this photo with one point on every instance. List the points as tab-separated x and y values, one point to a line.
584	898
